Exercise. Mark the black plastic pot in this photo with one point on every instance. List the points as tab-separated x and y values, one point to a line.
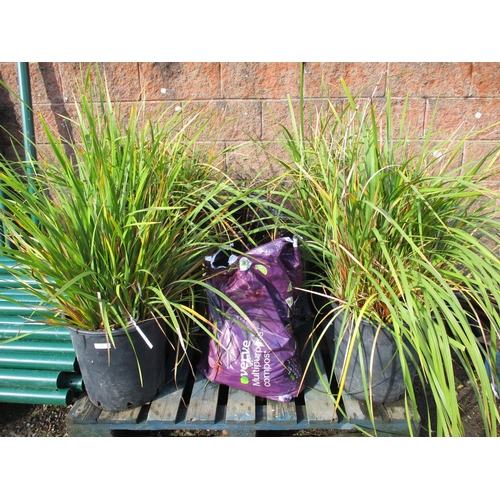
111	374
478	320
387	381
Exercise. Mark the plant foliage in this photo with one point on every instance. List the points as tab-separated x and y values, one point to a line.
399	230
113	225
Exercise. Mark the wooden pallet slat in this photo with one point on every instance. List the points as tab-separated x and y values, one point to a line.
240	408
120	417
320	406
388	418
358	411
397	412
84	411
281	413
82	419
203	404
165	408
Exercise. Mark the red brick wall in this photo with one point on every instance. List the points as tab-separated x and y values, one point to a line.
469	94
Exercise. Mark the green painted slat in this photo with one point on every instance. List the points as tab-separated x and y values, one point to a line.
16	322
5	261
29	346
26	309
20	294
39	379
70	380
39	366
33	333
29	396
38	360
9	282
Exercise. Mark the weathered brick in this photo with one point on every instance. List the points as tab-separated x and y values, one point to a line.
161	112
486	151
251	162
12	152
260	80
486	79
58	119
228	120
242	119
44	82
442	79
11	126
8	75
480	116
440	155
249	93
59	125
122	79
406	114
278	112
180	81
323	79
45	89
46	85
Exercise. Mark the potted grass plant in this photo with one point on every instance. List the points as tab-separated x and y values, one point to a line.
113	227
399	236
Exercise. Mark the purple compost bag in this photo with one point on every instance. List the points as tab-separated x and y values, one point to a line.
256	352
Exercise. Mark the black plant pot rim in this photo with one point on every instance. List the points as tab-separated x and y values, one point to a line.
130	327
365	320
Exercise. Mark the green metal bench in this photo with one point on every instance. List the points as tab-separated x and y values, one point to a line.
37	362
